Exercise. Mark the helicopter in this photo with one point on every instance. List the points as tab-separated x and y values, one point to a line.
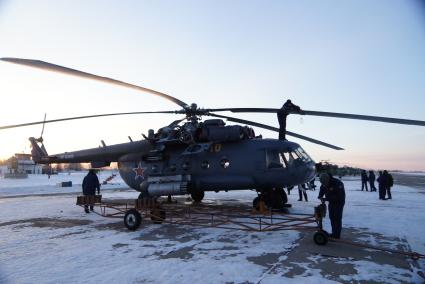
192	155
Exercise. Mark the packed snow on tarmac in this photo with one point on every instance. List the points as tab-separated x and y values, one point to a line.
46	238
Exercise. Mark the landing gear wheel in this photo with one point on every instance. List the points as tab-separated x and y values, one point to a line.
275	198
321	238
256	203
132	219
157	216
197	196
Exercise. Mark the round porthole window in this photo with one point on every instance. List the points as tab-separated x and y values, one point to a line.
205	165
185	166
225	163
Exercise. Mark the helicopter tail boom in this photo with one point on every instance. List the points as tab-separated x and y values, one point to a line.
38	153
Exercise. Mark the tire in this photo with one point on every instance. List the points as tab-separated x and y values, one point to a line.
320	238
132	219
256	203
274	198
197	196
157	216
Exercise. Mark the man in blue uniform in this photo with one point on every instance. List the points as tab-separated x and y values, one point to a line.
90	184
382	182
372	181
287	108
332	190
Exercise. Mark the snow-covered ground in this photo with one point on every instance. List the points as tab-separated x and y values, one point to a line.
47	239
41	184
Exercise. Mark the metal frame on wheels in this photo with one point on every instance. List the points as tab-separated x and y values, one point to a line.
221	216
201	215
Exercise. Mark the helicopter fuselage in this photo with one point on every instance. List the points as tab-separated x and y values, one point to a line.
248	164
195	158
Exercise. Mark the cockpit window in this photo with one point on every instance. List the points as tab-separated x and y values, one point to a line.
275	159
302	154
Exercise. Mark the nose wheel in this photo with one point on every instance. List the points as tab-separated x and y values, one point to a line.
273	198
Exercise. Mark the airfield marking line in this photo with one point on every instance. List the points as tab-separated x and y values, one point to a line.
277	262
413	255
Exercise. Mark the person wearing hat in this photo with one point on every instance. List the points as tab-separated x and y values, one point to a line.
332	190
287	108
90	184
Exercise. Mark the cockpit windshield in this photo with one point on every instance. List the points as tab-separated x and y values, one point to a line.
302	154
276	159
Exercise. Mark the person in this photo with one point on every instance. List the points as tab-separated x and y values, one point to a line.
389	183
372	181
332	190
364	180
90	184
287	108
381	185
311	185
289	188
301	192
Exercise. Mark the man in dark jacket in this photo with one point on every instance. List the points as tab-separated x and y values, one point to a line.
90	184
389	183
287	108
382	181
332	190
372	181
364	180
302	191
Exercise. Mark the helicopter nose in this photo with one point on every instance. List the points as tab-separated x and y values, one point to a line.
310	171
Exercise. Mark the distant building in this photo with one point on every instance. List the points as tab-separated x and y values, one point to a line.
3	170
24	164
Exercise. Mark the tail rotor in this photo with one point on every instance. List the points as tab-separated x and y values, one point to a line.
38	151
40	139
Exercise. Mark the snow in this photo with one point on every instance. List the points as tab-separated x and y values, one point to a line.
413	173
41	184
88	248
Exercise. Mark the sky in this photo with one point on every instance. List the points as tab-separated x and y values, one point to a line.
364	57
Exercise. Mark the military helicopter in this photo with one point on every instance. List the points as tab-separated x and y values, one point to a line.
192	155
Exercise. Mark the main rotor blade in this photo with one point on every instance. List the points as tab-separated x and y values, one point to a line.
366	117
331	114
246	109
73	72
243	121
80	117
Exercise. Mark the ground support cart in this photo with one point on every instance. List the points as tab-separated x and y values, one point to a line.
232	217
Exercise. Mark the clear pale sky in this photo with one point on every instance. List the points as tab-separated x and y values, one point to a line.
365	57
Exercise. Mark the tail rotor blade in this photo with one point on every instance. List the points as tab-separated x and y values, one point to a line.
40	139
44	123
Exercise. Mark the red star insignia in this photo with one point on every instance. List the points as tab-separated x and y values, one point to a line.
139	171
